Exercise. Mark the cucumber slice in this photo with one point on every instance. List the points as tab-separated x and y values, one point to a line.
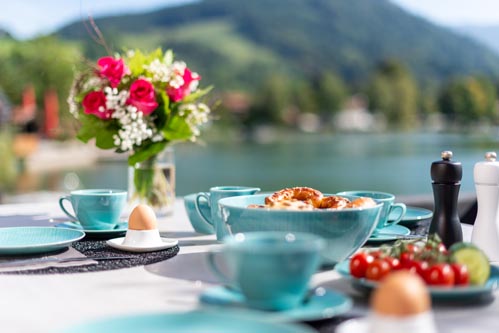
474	258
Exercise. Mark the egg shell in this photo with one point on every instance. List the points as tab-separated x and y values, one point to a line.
142	218
401	294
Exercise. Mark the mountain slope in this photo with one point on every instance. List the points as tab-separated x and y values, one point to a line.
487	35
235	43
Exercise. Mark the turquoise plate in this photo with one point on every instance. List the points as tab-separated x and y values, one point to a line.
119	230
437	293
189	322
28	240
320	304
389	233
412	215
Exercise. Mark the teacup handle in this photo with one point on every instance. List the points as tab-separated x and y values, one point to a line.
402	207
216	270
61	204
198	209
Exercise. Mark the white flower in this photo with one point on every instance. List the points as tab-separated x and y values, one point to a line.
135	129
160	71
177	76
195	115
93	82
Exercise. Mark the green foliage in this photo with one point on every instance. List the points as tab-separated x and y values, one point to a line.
469	99
45	62
304	97
8	165
272	100
331	93
94	128
393	92
148	151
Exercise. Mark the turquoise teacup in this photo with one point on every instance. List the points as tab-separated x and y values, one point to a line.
96	209
214	219
388	207
271	269
197	222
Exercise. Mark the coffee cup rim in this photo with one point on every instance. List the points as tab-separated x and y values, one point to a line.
230	188
103	192
361	193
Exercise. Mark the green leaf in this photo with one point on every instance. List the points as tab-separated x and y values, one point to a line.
101	130
156	54
163	111
87	130
104	139
197	94
177	129
136	63
146	152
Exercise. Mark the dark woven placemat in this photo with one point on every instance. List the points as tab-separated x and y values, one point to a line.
100	249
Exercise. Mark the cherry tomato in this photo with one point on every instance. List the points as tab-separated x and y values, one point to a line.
412	248
440	275
376	254
406	260
420	267
461	274
394	263
359	263
378	269
440	248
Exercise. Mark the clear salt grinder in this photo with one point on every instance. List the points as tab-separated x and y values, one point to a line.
486	227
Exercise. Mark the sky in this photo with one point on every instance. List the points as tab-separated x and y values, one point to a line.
28	18
454	12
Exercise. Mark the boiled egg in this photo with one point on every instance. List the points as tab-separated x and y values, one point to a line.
142	218
401	303
401	294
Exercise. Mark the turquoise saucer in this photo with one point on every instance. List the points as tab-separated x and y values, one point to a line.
389	233
119	230
321	304
189	322
412	216
30	240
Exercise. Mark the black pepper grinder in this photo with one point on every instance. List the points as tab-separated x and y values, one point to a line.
446	176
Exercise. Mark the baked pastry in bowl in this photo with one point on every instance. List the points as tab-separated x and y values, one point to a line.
344	229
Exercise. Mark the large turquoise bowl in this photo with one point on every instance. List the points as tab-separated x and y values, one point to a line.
344	231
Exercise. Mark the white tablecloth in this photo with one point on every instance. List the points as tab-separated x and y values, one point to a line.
47	303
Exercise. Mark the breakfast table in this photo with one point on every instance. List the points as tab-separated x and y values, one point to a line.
53	302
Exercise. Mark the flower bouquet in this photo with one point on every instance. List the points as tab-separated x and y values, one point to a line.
139	104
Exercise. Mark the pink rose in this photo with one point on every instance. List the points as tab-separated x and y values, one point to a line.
142	96
177	94
112	69
95	103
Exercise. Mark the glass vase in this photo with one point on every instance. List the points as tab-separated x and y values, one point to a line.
152	182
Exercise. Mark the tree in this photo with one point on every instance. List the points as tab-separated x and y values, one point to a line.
45	62
468	99
271	101
331	93
393	91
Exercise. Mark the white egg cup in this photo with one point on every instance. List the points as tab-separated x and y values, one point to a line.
142	241
142	238
422	322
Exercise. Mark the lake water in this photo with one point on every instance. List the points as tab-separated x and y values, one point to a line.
396	163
